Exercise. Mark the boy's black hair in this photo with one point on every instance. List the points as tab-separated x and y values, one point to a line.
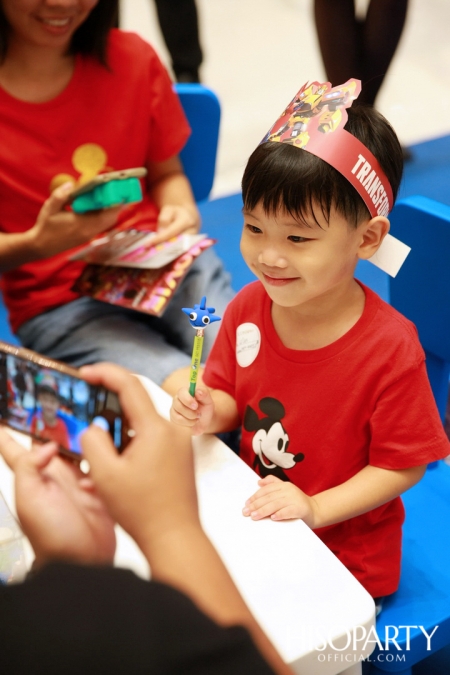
45	389
90	38
279	175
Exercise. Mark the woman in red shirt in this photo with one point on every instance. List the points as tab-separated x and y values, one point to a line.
78	98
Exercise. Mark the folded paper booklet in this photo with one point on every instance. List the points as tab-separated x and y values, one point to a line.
126	269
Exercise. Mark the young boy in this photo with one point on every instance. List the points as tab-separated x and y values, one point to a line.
46	424
327	380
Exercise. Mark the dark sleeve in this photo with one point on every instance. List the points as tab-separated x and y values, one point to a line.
72	619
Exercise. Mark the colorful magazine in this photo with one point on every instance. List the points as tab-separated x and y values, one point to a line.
126	269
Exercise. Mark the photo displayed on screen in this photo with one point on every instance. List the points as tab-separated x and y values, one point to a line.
53	406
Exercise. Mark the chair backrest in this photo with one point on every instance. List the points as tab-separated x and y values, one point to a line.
421	290
202	109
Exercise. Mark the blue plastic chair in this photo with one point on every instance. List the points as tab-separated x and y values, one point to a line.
5	331
202	109
421	291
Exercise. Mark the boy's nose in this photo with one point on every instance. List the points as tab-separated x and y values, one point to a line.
271	258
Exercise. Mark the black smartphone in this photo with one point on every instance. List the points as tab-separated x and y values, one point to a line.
48	400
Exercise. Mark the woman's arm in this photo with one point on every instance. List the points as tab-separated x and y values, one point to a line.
16	250
150	491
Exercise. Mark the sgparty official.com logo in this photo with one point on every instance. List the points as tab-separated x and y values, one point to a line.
389	647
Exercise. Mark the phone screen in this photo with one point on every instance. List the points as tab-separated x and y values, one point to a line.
54	406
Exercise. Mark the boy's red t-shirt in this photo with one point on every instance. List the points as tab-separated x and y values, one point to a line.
57	433
318	417
119	117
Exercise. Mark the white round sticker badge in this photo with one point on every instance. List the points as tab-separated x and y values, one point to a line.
248	343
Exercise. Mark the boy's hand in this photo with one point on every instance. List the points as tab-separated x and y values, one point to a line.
195	412
280	500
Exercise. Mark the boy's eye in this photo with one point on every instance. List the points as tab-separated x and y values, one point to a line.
253	228
297	240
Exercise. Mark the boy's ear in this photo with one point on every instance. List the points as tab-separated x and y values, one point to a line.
373	232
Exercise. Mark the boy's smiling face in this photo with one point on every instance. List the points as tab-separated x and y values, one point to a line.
50	405
297	262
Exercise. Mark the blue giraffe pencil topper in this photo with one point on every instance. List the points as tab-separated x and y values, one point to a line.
200	315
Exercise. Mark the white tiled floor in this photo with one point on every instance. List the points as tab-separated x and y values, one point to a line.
259	52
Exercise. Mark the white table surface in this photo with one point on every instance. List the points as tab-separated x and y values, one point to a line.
296	588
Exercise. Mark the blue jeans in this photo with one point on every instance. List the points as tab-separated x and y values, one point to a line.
87	331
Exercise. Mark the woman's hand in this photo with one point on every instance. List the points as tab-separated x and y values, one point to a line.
149	489
57	229
171	191
58	508
174	220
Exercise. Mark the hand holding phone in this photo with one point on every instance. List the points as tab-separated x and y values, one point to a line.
50	401
150	488
57	229
107	190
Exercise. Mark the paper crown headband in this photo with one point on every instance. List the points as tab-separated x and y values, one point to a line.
314	120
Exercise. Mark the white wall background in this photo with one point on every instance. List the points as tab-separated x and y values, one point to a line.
259	52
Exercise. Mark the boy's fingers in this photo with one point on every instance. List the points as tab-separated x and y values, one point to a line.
186	405
181	419
261	493
265	508
186	414
285	513
268	479
186	399
203	396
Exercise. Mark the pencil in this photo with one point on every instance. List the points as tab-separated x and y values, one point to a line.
196	359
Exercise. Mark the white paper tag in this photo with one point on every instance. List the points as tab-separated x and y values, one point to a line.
391	255
248	343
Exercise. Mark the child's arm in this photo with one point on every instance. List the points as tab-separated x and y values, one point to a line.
366	490
208	411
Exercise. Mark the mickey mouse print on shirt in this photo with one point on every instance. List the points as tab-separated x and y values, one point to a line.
270	441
